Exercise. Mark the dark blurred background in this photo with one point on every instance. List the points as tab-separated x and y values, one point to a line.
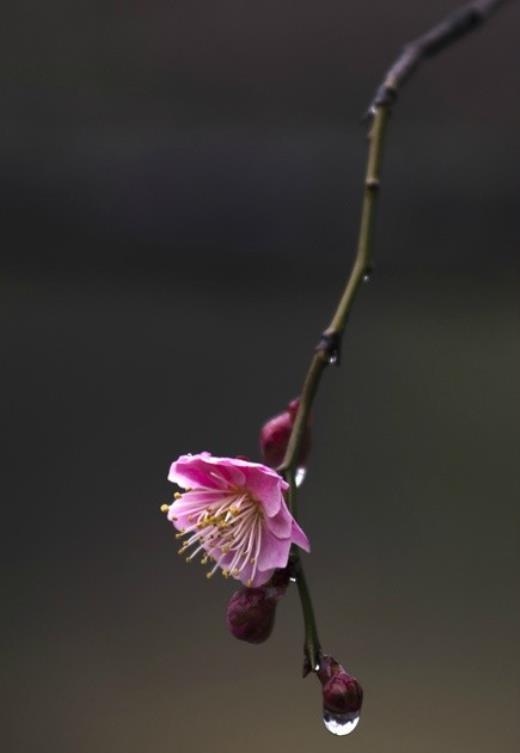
180	187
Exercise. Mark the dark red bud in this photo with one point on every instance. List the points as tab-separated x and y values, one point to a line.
275	434
251	611
250	615
342	696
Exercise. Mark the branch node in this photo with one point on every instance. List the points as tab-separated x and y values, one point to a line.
330	347
372	184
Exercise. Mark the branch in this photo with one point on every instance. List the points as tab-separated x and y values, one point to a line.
328	349
453	27
449	30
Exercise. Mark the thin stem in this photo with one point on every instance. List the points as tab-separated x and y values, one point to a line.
312	646
455	26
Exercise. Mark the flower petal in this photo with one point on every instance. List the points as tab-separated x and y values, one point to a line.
194	471
266	488
204	471
274	552
299	537
280	524
261	576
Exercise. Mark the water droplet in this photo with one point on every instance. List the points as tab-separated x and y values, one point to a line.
367	276
333	358
292	579
299	476
341	724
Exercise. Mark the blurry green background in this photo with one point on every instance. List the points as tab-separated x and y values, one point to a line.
180	186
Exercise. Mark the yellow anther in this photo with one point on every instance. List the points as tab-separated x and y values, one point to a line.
204	560
210	574
165	508
177	495
225	573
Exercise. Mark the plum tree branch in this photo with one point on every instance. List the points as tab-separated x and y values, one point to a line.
452	28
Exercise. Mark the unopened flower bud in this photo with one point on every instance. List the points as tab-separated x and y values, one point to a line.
342	697
275	434
251	611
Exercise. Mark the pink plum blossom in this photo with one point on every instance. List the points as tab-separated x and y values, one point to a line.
234	513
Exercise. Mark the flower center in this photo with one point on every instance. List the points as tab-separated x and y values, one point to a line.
228	531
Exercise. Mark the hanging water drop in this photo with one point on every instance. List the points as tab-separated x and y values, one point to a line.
367	274
333	358
341	724
299	476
